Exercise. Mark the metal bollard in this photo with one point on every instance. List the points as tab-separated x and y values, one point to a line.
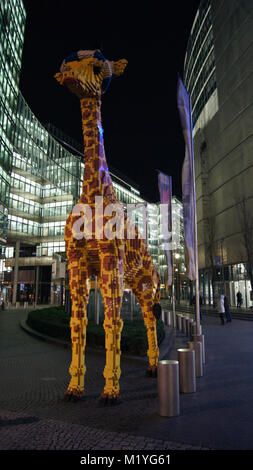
184	325
168	388
187	373
197	347
195	329
169	319
163	317
201	338
180	320
188	319
190	327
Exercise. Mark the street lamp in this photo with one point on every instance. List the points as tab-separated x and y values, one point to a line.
177	258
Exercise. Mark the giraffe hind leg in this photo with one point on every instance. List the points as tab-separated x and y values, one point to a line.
111	287
145	299
78	281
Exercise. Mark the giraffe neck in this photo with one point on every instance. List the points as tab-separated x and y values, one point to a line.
97	180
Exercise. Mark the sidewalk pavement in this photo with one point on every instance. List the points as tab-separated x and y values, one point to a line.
34	375
206	308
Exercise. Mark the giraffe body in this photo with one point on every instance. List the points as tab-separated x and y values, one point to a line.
117	261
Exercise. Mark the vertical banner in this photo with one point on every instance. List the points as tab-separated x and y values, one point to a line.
188	179
189	193
165	190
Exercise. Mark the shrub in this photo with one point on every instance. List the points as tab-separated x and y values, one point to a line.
54	322
51	322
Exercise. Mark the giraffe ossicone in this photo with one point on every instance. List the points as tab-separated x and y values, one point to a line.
117	262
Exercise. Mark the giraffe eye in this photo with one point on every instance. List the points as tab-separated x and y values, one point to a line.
96	69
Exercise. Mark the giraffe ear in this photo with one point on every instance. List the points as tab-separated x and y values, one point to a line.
119	67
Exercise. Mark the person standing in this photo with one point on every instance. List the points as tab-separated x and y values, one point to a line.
239	299
222	309
227	309
200	307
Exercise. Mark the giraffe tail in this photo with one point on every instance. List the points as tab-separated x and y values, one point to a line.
157	310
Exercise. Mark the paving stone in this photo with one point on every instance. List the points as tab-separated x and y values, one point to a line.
34	377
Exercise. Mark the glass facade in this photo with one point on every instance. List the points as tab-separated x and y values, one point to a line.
40	182
199	65
38	153
223	149
12	27
178	254
45	179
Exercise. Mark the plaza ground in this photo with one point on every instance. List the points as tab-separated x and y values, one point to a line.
34	377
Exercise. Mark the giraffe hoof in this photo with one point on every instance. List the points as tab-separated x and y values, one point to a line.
106	400
70	397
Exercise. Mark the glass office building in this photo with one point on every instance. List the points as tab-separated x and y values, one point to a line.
178	253
45	183
12	25
41	175
218	75
200	69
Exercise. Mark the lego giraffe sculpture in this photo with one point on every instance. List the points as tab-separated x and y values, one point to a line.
117	261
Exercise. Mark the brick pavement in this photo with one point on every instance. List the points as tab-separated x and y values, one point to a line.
24	432
35	416
34	376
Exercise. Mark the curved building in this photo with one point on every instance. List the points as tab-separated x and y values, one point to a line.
45	184
12	26
218	75
41	172
40	181
200	68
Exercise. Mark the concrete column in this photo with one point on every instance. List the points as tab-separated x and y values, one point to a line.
37	271
131	305
96	302
15	280
52	293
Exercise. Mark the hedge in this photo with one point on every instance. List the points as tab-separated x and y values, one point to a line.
54	322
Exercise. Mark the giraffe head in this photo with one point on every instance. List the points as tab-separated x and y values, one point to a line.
88	73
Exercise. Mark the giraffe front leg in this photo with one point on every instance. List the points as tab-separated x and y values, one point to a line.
77	367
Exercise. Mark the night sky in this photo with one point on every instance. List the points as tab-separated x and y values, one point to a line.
142	130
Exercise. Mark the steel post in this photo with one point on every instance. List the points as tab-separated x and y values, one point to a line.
187	373
197	347
168	388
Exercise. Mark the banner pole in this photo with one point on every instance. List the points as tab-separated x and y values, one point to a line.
165	190
173	296
195	231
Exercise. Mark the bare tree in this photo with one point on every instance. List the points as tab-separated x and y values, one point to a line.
246	221
210	237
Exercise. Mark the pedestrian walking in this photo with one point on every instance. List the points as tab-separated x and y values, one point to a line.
227	309
239	299
200	304
200	307
222	309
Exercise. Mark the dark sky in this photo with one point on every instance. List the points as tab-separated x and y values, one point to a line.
142	130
